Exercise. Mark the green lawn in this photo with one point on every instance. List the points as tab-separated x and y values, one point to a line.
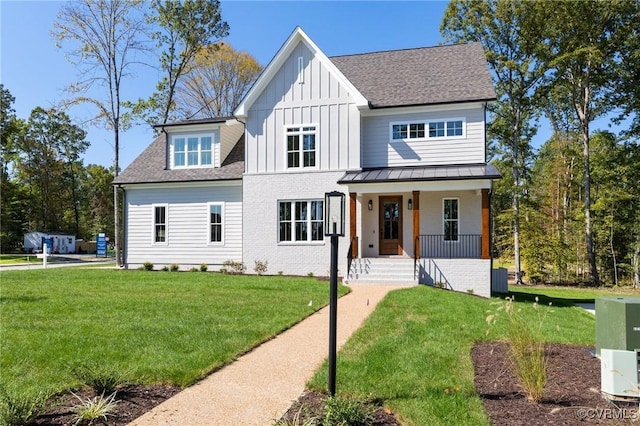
413	352
155	327
13	259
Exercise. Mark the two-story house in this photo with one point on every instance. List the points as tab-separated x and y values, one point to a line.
402	133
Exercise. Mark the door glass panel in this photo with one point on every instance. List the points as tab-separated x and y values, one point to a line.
391	215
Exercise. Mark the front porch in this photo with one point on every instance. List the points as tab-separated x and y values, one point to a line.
431	231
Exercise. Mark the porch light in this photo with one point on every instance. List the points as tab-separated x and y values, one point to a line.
410	205
370	205
334	214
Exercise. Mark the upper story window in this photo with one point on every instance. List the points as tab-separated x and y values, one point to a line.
301	146
192	151
416	130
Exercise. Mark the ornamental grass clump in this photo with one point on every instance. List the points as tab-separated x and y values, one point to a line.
526	346
91	409
19	408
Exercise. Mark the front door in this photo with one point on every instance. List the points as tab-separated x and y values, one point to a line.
390	225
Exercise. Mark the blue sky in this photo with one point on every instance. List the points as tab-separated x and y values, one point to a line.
36	72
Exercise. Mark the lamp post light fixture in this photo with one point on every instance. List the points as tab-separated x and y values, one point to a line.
334	228
370	205
410	204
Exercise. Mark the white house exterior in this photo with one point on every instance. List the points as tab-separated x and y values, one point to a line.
62	243
401	133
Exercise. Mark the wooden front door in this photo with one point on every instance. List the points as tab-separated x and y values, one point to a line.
390	225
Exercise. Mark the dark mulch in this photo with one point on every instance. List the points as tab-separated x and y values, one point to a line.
134	400
572	395
311	405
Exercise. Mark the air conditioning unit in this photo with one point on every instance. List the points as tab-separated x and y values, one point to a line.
617	323
619	373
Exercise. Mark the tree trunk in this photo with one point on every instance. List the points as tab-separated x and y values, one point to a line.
116	216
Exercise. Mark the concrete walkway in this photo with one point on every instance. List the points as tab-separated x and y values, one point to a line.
261	385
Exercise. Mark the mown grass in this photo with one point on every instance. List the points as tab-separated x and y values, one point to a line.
150	327
15	259
414	353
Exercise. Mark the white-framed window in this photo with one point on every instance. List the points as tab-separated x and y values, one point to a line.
300	221
160	222
426	129
450	219
192	151
216	223
301	146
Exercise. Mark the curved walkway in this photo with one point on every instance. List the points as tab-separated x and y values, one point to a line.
261	385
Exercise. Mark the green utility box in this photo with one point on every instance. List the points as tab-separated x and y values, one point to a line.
618	323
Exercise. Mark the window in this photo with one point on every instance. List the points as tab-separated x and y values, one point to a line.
427	130
216	228
300	221
193	151
159	224
450	219
301	146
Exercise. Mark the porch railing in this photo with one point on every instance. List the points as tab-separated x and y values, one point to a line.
464	246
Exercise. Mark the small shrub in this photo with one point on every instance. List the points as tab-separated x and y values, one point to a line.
280	273
232	267
440	284
260	267
165	268
302	417
339	412
310	274
194	269
526	347
101	380
470	291
174	267
203	267
147	266
17	409
91	409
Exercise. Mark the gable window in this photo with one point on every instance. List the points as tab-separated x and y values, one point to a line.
424	130
159	223
450	219
193	151
300	221
216	225
301	147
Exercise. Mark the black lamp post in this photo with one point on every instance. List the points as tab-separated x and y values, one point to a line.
334	228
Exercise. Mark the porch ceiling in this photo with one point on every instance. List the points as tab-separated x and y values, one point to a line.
421	173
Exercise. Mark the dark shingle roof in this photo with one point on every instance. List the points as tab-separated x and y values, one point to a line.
421	173
151	167
423	76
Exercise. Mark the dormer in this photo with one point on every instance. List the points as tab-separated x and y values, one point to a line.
200	144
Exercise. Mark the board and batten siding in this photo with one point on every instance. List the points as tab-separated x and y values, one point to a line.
379	151
314	97
187	225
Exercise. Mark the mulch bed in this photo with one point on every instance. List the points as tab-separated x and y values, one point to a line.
572	395
134	401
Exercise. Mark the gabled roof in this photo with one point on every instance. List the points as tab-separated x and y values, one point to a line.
280	57
151	166
423	76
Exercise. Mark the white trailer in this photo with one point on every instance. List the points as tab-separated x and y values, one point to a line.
61	243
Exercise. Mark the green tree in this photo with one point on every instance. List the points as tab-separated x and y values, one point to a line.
218	79
516	71
10	193
182	28
49	155
96	188
582	55
106	35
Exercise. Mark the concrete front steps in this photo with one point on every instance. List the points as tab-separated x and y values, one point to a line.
382	270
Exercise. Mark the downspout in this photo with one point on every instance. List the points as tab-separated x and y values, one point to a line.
125	261
491	240
244	135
